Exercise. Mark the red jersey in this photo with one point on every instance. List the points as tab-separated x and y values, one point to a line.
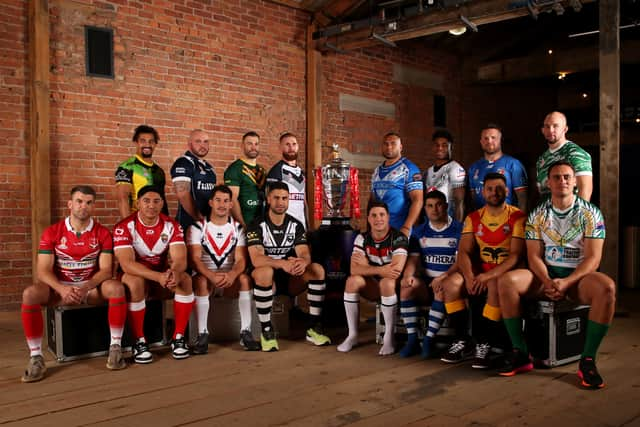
150	243
76	255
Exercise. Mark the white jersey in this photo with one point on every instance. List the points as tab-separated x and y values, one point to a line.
445	178
218	243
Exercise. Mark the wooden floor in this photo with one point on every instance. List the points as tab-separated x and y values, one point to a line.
305	385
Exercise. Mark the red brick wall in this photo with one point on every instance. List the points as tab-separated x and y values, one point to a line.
229	67
15	213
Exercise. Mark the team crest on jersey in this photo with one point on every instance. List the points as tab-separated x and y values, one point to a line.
479	231
164	237
453	243
423	242
501	171
93	243
506	229
63	243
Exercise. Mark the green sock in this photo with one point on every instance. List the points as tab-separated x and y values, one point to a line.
514	327
595	333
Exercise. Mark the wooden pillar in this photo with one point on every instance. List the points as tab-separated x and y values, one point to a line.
314	119
39	121
610	131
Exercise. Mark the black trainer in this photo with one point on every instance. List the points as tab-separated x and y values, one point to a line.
201	345
588	373
457	352
516	362
179	348
141	353
247	342
481	357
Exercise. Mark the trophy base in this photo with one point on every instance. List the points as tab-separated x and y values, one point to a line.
331	246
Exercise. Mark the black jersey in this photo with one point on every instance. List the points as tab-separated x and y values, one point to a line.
380	252
278	241
293	176
200	174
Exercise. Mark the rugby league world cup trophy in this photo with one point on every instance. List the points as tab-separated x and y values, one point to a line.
336	200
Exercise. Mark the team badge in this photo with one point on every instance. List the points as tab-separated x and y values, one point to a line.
506	229
93	243
164	237
479	231
63	243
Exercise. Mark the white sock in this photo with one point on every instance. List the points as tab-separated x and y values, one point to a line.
389	307
244	306
202	313
352	311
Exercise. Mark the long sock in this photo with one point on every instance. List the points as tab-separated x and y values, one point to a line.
136	318
117	315
352	311
489	324
244	307
264	302
33	327
436	317
595	333
182	306
514	327
315	296
202	312
409	314
458	317
389	307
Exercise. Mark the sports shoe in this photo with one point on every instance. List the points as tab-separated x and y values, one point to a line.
316	335
35	369
481	357
115	361
516	363
179	348
201	345
268	341
588	373
247	342
411	347
457	352
141	353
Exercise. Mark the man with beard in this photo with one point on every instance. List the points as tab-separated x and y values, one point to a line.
246	179
281	258
446	175
554	130
492	243
398	183
494	160
288	171
193	180
73	268
139	171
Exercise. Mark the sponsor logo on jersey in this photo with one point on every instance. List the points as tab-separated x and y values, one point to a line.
180	170
205	186
251	202
149	231
118	231
417	177
440	259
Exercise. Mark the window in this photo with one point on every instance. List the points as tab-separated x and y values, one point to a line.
99	51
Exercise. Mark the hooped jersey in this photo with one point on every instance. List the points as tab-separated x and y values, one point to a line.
437	247
570	152
139	173
250	180
445	178
508	166
278	241
150	243
76	255
563	233
493	234
294	177
381	252
202	178
219	243
392	185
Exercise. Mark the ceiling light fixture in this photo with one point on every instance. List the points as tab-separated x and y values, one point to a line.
458	31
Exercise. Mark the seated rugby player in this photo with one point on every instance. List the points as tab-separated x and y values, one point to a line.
151	251
73	267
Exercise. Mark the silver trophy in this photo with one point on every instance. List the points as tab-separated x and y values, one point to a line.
335	184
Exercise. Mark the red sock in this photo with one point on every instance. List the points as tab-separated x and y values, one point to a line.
33	327
136	321
182	312
117	316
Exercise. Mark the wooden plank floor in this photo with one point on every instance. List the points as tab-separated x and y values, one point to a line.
304	385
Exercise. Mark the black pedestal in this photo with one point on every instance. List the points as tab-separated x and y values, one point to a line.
331	246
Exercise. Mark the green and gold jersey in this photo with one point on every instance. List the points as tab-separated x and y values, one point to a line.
137	172
250	179
570	152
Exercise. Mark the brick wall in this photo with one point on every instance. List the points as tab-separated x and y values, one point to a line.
229	67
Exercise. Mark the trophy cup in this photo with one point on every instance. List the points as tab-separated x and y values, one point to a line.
337	198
